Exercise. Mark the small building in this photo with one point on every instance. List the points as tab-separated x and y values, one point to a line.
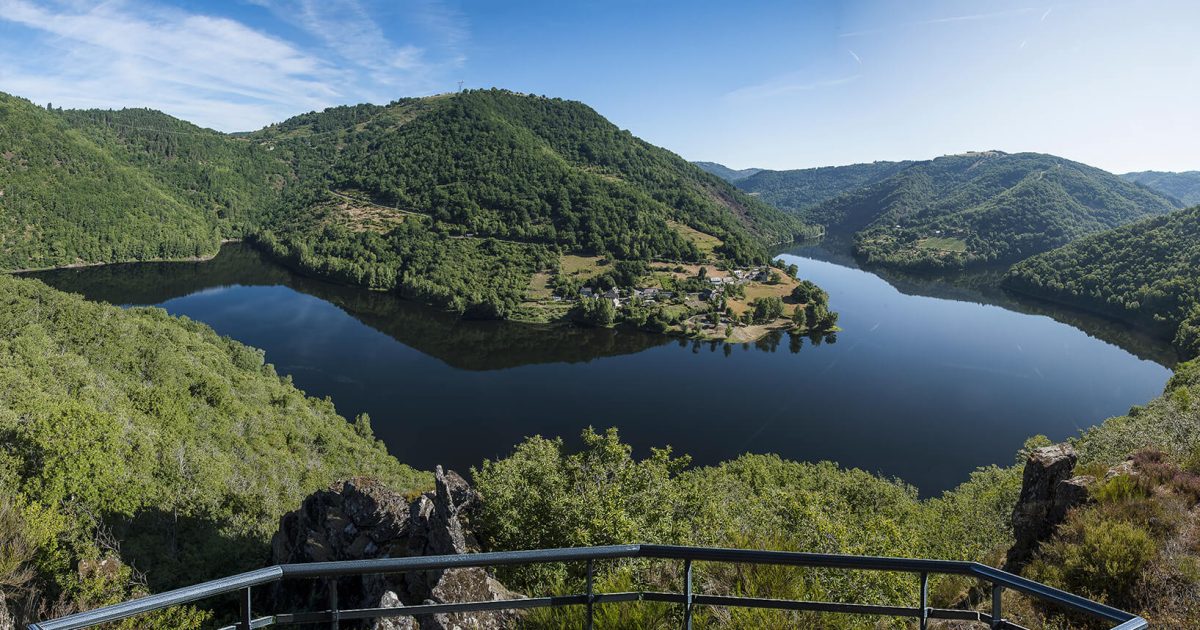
586	292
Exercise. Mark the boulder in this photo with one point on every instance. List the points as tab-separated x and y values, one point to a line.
1048	491
360	519
355	519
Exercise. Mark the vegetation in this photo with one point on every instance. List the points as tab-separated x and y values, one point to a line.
981	208
1135	545
542	496
540	174
798	191
1143	273
1185	187
456	200
726	173
137	427
82	187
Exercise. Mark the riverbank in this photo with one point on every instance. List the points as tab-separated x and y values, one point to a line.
87	265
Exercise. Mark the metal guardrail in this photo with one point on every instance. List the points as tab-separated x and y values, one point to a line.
688	599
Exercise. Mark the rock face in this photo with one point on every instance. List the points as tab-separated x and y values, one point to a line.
6	619
361	519
1048	492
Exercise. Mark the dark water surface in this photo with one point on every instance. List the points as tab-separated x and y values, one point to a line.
918	387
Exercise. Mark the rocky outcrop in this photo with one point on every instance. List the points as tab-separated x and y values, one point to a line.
6	618
1049	490
361	519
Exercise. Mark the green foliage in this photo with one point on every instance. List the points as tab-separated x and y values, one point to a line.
807	292
1143	273
596	311
1182	186
1097	557
993	207
482	278
542	496
182	442
798	191
66	200
764	310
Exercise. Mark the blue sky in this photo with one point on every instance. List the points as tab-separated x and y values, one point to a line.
769	84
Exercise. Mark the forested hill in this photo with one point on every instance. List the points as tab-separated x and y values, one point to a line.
458	199
726	173
799	190
89	186
986	207
1182	186
138	427
1143	273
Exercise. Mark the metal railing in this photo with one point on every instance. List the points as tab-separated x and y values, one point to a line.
244	584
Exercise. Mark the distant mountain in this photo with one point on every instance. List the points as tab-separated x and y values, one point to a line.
1144	273
799	190
458	199
81	187
979	208
726	173
1182	186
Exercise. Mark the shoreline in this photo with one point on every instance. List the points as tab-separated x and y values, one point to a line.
87	265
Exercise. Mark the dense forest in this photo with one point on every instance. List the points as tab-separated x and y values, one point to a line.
1143	273
133	435
981	208
456	199
1184	187
81	187
800	190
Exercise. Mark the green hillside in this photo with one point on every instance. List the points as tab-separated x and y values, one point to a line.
980	208
90	186
1182	186
1143	273
726	173
458	199
799	190
183	444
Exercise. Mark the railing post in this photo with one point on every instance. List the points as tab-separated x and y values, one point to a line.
687	595
334	613
591	594
247	616
924	601
997	610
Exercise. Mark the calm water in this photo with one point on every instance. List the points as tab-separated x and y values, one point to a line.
917	387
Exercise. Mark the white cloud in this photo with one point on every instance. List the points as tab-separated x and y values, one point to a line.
210	70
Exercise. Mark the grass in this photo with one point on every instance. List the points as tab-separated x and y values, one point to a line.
943	244
706	243
582	266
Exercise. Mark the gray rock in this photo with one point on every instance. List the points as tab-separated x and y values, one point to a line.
391	600
362	519
355	519
6	619
1048	492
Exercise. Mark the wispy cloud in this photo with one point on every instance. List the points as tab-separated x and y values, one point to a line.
786	84
855	55
973	17
212	70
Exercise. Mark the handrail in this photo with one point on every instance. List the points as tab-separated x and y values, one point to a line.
245	582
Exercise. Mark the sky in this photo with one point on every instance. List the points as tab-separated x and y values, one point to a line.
767	84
